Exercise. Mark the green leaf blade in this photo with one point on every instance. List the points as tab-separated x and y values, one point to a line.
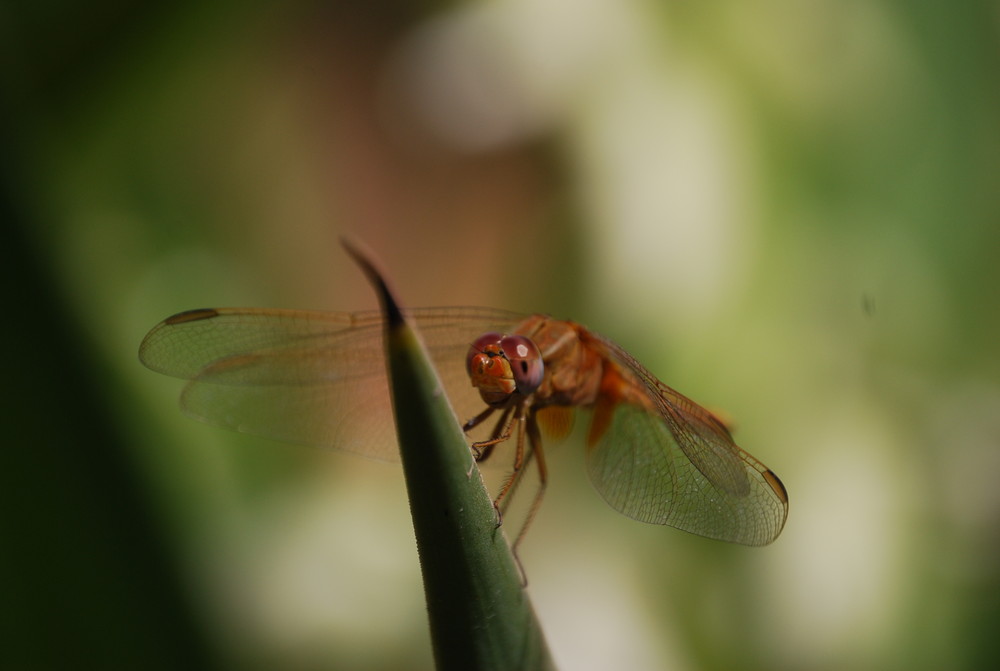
480	615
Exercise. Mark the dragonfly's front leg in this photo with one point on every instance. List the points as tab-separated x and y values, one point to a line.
482	449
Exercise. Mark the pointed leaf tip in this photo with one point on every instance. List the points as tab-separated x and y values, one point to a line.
365	258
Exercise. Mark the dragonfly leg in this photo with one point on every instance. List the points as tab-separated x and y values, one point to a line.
519	460
528	429
482	449
479	419
536	451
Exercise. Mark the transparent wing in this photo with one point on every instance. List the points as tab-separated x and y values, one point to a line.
315	378
674	463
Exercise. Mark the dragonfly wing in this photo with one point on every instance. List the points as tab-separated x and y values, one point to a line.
312	378
674	463
306	397
185	344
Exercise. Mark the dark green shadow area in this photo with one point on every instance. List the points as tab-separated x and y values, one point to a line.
87	578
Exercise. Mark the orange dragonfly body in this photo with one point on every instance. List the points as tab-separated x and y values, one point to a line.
319	378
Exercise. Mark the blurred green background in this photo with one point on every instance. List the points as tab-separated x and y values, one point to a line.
787	210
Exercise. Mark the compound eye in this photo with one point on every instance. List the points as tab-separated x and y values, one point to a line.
525	362
488	343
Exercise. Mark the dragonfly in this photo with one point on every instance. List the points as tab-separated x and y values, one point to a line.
319	378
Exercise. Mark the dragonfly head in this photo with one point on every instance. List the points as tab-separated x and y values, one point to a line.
500	365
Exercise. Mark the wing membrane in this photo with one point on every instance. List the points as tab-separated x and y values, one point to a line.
674	463
314	378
